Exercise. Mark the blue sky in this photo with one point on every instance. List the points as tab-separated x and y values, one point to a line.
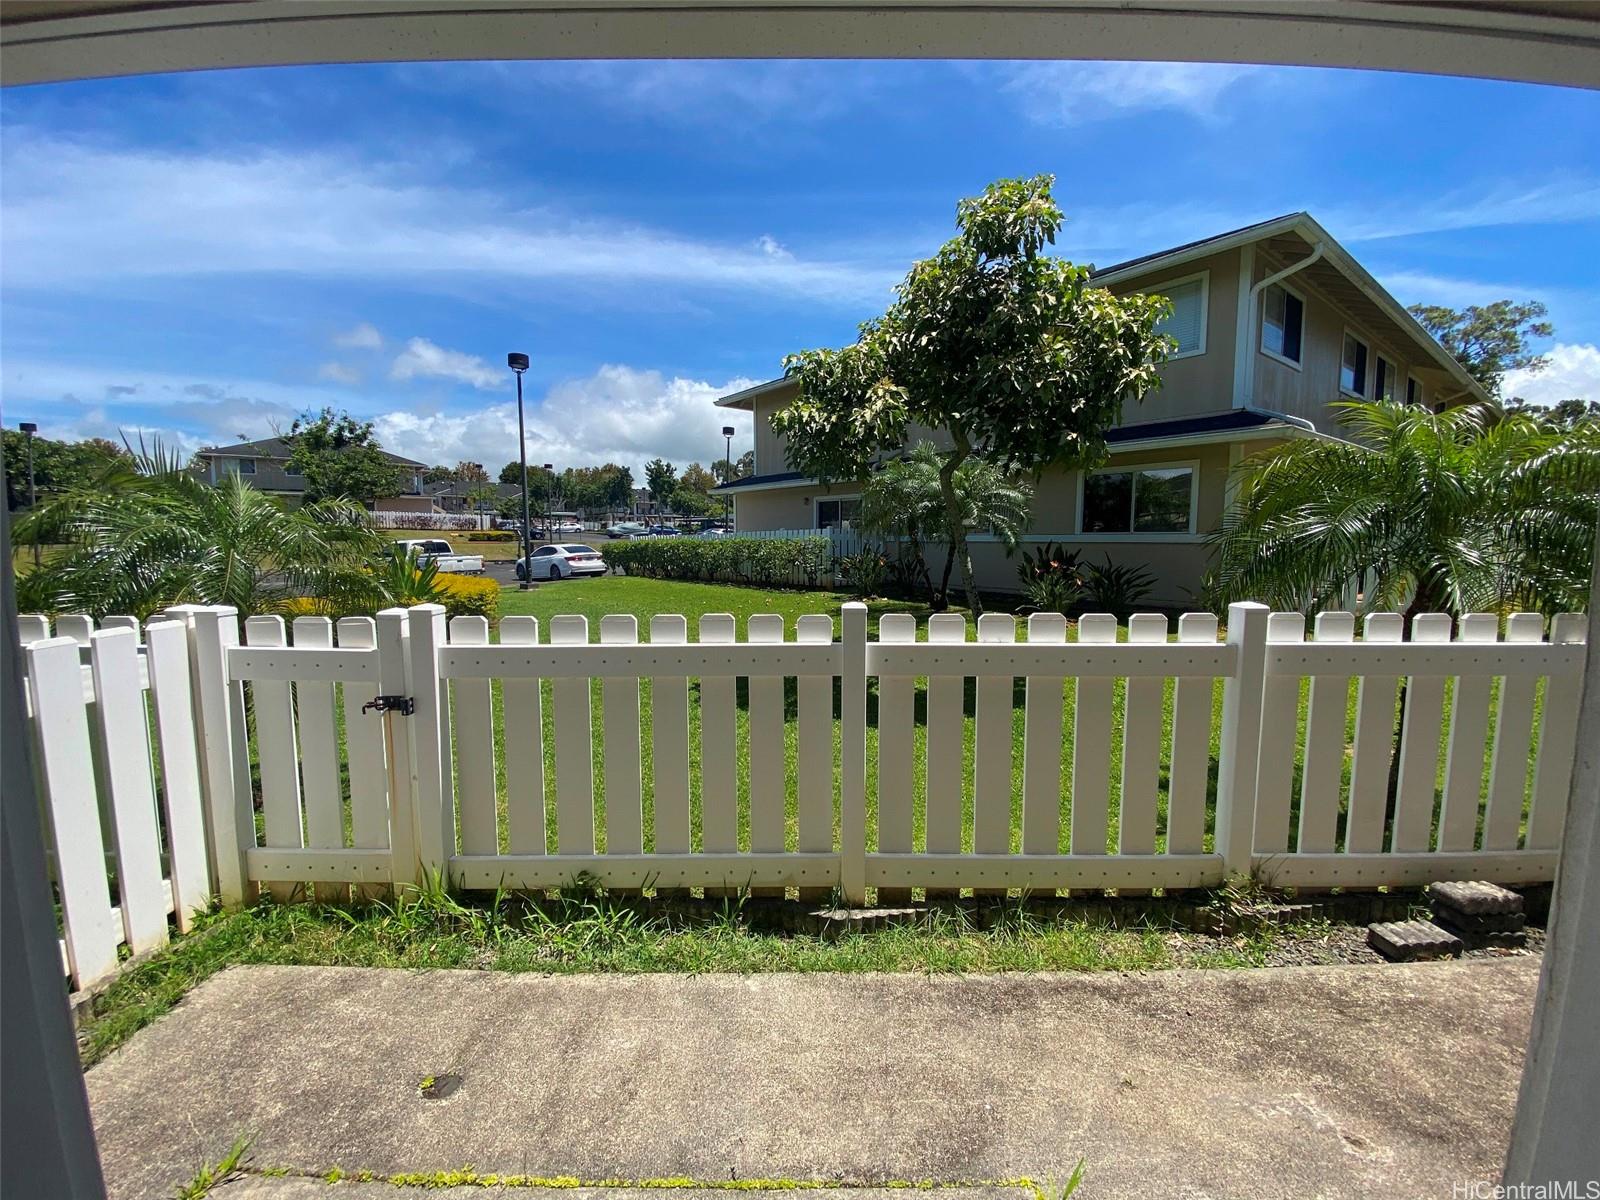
206	255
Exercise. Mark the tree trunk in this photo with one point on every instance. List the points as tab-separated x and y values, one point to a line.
955	529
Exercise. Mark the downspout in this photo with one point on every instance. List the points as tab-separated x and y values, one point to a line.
1249	330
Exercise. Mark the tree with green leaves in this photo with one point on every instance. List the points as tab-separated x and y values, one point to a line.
58	466
340	458
439	473
661	477
470	472
1568	413
480	498
1489	340
1467	510
1007	352
744	465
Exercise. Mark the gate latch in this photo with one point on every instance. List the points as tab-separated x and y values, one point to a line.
404	705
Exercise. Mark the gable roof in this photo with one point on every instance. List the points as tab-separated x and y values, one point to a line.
279	448
1300	224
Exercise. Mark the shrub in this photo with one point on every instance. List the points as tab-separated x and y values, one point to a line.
469	596
492	535
863	572
1117	587
765	562
1051	578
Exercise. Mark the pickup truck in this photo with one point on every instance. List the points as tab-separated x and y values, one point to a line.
437	551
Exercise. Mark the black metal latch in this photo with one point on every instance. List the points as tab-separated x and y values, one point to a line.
404	705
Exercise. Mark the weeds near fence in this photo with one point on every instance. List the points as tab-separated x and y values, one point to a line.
207	1177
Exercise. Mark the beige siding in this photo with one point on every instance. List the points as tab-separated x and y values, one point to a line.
769	446
782	508
1201	382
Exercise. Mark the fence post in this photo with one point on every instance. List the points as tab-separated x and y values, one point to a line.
1241	737
219	712
433	790
393	680
853	753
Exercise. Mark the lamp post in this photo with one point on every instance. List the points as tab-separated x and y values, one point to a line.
518	364
29	429
727	476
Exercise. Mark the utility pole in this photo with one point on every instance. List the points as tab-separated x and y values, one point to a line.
519	363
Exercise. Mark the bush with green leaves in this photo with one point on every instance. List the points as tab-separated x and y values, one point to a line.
766	562
1116	588
863	572
1051	579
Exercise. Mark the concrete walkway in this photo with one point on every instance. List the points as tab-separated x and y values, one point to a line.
1352	1081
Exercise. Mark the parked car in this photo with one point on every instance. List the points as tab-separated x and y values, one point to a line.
663	531
438	552
568	527
561	562
627	529
714	531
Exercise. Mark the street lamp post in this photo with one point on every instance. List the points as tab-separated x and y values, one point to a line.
519	363
727	476
29	429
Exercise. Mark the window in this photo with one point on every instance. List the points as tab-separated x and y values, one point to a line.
1383	380
1187	324
292	471
838	514
1156	499
1282	318
247	466
1353	366
1413	390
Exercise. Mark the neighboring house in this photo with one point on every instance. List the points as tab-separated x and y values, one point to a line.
1273	323
265	463
454	497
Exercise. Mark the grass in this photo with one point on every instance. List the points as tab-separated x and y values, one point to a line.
585	933
208	1176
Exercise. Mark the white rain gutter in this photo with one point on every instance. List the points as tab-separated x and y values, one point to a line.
1248	331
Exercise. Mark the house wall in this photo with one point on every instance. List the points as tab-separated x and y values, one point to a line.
782	508
270	474
410	504
1198	383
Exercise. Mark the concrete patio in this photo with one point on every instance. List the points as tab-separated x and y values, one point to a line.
1321	1081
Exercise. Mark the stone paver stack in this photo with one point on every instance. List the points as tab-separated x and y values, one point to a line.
1480	914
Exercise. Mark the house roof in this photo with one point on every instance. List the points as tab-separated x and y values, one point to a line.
752	481
454	487
1290	229
279	448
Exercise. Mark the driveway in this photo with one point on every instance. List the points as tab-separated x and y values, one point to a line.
1392	1081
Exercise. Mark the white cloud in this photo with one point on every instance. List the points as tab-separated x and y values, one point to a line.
1070	93
184	215
618	414
1572	374
362	337
421	359
336	372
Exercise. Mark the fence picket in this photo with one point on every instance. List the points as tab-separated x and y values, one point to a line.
225	750
1469	737
719	781
125	742
75	626
173	698
319	753
814	756
991	758
1187	775
1558	741
473	720
56	689
945	769
433	783
1141	744
669	734
1280	714
394	679
1421	724
768	775
574	746
523	715
1513	740
1091	744
1374	743
1323	764
277	751
896	742
1041	744
619	700
31	628
364	750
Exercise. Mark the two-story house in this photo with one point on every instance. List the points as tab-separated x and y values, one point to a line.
1272	323
265	463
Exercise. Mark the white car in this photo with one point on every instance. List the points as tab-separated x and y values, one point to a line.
628	529
561	562
569	527
438	552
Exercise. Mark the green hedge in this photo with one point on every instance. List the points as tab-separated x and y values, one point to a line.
766	562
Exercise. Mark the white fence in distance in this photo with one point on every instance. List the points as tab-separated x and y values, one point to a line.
355	794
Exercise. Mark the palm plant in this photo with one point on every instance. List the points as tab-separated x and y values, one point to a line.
902	500
146	534
1472	509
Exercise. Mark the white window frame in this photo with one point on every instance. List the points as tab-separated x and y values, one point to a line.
818	501
1191	464
1204	277
1394	375
1366	377
1261	331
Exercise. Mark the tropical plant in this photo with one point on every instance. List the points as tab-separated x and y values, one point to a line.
1467	510
863	572
1010	353
1051	579
1116	588
145	534
902	500
405	579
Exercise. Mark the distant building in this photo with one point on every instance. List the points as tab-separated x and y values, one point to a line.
265	464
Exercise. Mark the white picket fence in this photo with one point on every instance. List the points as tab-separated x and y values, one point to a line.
649	794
